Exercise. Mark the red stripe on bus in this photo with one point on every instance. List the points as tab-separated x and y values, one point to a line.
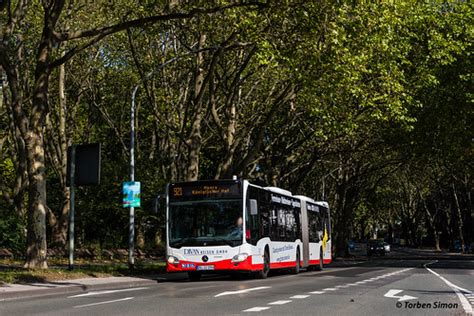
245	265
325	261
282	265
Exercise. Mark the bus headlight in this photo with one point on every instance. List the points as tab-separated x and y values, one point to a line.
173	260
240	257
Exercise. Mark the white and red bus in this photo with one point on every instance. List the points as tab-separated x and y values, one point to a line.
233	225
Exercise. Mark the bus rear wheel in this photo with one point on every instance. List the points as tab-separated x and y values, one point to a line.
194	276
296	269
263	274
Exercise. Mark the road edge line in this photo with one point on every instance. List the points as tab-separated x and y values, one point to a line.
464	302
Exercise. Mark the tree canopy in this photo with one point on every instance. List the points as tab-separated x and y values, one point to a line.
366	105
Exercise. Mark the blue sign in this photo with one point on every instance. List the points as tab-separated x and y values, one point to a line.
131	194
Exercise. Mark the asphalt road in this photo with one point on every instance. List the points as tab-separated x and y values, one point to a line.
378	287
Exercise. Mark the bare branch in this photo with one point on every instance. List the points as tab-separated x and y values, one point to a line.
67	36
100	33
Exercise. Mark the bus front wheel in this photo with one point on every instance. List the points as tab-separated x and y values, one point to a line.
263	274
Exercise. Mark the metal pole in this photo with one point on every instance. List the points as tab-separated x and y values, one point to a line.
72	180
131	227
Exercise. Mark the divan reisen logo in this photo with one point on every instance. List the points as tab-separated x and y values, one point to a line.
200	252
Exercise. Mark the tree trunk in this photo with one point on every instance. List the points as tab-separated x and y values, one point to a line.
340	216
194	141
36	250
460	219
60	228
432	221
436	236
36	235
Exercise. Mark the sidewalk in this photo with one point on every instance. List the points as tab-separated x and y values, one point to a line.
16	291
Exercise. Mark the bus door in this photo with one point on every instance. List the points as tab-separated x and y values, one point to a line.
305	234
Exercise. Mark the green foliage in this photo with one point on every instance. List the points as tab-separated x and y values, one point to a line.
353	102
12	231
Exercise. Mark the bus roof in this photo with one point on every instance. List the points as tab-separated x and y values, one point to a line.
305	198
279	190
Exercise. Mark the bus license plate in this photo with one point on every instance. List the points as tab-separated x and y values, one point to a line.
188	266
205	268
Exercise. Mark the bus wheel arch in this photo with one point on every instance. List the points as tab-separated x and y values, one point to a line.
297	267
263	274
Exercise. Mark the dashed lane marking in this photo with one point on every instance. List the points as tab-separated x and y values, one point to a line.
299	296
108	292
323	291
256	309
330	289
282	302
106	302
243	291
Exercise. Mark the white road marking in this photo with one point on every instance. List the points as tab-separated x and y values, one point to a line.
242	291
329	289
256	309
458	290
280	302
108	292
392	293
344	286
106	302
317	292
300	296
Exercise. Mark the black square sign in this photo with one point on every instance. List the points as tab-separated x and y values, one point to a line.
87	171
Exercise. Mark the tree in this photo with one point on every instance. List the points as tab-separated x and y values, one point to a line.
30	106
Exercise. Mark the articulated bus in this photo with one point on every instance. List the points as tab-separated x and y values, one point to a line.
233	225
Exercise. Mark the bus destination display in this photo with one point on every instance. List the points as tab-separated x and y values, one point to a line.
204	190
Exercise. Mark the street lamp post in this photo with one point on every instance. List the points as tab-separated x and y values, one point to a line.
131	224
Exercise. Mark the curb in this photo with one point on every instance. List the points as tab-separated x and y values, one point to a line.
74	289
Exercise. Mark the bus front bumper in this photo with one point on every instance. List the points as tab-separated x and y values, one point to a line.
223	265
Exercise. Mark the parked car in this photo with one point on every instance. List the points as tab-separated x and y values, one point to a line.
375	247
386	246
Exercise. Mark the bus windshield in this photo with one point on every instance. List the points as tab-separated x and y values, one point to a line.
205	223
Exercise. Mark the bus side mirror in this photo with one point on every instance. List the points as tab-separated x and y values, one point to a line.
253	207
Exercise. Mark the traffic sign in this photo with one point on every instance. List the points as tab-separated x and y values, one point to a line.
131	194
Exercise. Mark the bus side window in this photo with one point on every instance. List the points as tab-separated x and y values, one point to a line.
255	224
297	227
281	223
325	221
290	224
314	226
